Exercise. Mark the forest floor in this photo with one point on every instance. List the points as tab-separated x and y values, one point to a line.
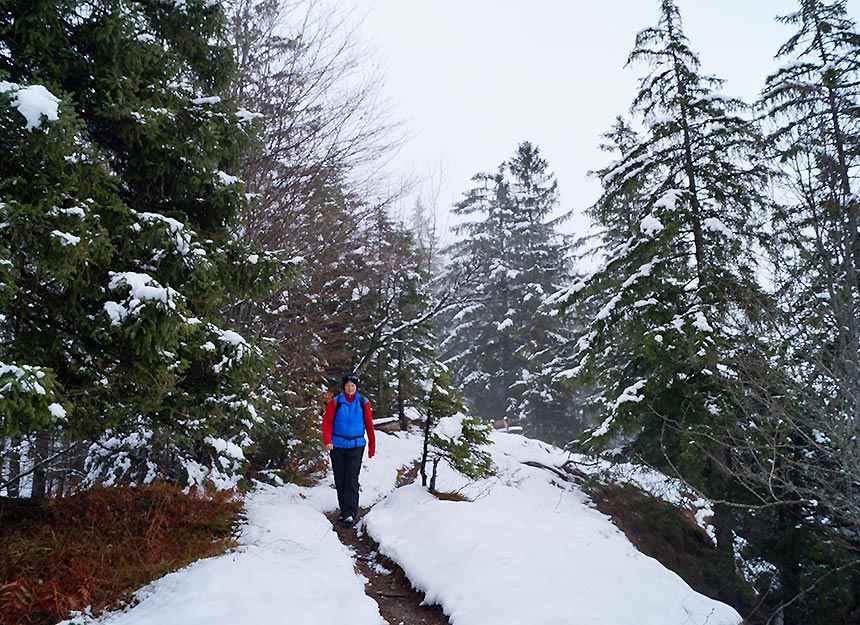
289	559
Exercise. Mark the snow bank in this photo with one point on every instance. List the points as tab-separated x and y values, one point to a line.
394	452
529	549
290	569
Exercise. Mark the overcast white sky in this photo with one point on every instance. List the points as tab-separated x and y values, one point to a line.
473	78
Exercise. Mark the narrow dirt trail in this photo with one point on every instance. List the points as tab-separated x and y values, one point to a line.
399	603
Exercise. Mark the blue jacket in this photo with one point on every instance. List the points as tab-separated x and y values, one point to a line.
348	430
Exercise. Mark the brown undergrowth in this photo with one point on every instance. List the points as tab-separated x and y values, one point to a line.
96	547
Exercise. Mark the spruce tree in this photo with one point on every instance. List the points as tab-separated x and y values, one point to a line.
672	304
393	344
449	433
118	259
501	343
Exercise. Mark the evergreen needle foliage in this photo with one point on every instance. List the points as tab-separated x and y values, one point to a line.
501	343
723	342
675	301
116	255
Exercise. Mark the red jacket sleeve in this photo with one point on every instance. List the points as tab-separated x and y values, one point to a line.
328	421
368	426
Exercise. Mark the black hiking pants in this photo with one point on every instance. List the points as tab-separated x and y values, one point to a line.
346	465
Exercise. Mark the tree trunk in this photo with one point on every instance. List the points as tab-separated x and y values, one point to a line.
401	406
380	405
13	488
849	330
690	171
424	453
40	475
787	560
723	518
433	477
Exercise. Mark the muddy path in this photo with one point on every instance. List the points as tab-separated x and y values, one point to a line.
399	603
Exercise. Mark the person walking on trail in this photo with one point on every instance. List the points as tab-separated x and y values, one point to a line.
346	421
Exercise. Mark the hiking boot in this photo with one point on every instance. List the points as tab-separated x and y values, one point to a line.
348	520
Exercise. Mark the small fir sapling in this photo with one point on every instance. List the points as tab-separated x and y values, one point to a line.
452	435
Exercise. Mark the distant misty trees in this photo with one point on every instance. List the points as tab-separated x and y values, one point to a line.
500	345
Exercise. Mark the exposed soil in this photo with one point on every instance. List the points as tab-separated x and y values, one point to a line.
399	603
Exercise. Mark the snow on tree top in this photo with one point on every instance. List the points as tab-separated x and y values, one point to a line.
608	308
65	238
661	118
650	225
604	427
142	286
33	102
644	270
715	225
629	394
182	237
232	337
78	211
24	375
713	97
225	447
701	322
450	428
669	199
214	99
227	179
622	166
245	115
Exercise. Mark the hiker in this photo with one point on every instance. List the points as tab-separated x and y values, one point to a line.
347	419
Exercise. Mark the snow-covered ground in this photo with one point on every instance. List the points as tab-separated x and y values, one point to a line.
527	549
